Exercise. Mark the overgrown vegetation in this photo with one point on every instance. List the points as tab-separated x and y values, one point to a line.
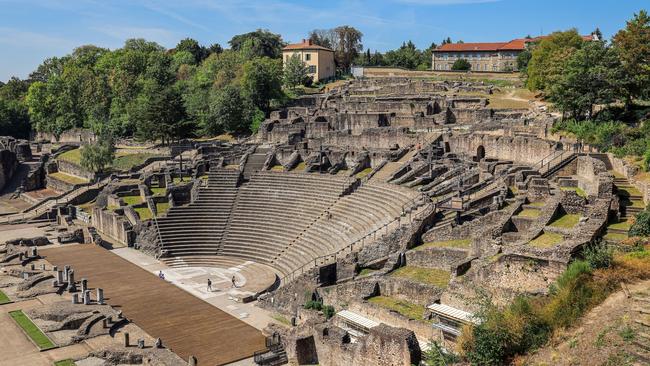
641	226
431	276
328	310
529	322
406	308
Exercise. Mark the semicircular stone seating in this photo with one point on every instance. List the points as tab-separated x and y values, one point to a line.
283	220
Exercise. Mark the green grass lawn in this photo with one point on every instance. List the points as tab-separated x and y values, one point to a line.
537	204
67	362
4	299
71	179
546	240
456	243
628	191
632	203
158	191
72	156
277	168
621	225
408	309
124	161
144	213
615	236
431	276
567	221
577	190
41	340
178	180
162	207
132	200
528	212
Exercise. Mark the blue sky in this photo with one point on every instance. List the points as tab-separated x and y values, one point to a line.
31	30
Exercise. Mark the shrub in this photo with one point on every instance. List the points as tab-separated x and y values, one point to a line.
437	356
599	255
328	311
641	226
461	65
314	305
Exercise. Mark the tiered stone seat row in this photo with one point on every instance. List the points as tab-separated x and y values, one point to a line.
198	228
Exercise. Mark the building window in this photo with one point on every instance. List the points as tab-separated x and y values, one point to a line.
307	56
311	69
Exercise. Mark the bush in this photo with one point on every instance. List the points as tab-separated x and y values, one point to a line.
641	226
599	255
328	311
313	305
437	356
461	65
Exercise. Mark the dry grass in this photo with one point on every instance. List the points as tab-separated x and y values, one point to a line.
70	179
431	276
528	212
546	240
144	213
567	221
363	173
408	309
456	243
162	207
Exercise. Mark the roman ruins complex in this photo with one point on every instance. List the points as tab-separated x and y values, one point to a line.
362	222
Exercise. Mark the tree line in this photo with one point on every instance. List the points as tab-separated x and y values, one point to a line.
145	91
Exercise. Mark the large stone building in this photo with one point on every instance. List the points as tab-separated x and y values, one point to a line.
488	57
319	59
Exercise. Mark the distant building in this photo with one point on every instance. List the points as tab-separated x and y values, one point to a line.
488	57
319	60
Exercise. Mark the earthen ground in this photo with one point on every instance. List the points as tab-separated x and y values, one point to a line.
185	323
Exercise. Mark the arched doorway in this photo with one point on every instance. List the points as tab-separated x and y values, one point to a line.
480	152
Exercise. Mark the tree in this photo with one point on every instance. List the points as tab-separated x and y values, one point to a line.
588	78
633	47
523	58
347	46
323	37
260	43
231	112
295	72
96	157
407	56
549	58
262	81
461	65
192	46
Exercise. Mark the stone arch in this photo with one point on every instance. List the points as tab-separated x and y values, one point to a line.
480	152
447	147
297	120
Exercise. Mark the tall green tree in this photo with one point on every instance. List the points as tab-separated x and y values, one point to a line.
230	112
295	72
633	47
98	156
347	46
549	58
260	43
262	81
407	56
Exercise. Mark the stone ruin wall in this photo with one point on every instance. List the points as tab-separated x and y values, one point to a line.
519	149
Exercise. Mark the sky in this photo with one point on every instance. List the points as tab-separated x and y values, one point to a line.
32	30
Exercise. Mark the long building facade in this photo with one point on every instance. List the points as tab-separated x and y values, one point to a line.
486	57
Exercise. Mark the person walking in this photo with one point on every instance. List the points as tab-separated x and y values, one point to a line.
209	285
234	281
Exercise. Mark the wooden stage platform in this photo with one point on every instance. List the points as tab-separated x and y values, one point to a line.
185	323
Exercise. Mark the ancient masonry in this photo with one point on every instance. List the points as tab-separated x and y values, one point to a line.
372	215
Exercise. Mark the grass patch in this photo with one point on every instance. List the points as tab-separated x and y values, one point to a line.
281	319
431	276
527	212
456	243
577	190
144	213
615	236
632	203
156	191
177	180
567	221
300	167
132	200
124	161
363	173
408	309
621	225
4	299
277	168
162	207
87	207
627	191
72	156
537	204
71	179
546	240
67	362
32	331
367	271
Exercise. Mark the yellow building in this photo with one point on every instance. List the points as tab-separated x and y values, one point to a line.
319	60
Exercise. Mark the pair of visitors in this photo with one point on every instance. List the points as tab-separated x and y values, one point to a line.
161	275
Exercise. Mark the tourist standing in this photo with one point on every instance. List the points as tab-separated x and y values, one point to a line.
209	285
234	281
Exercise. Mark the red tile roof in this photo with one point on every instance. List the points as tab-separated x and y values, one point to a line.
305	45
518	44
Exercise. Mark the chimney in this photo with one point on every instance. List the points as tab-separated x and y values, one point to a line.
304	40
309	42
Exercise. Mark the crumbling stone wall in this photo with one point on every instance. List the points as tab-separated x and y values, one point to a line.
8	165
520	149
